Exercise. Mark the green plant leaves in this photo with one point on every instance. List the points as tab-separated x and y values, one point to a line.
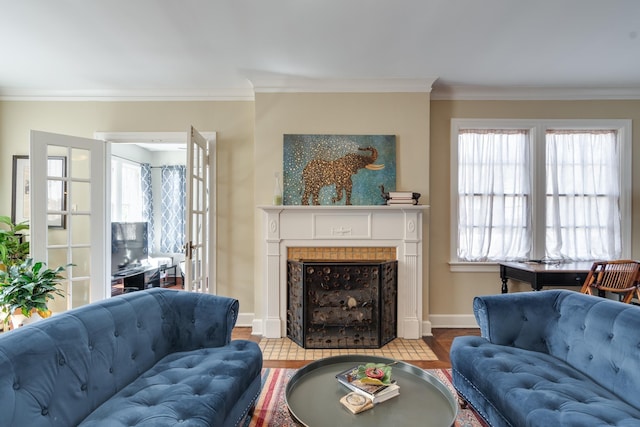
29	286
14	248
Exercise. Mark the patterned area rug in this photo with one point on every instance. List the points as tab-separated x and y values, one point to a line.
271	409
399	349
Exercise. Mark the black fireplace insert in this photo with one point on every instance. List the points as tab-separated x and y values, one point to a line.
341	304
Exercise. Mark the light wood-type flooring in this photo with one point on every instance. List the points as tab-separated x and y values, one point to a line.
440	343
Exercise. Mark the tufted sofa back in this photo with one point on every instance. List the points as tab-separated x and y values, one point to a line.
61	369
597	336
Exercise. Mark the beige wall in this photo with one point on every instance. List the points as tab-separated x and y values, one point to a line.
245	168
234	124
452	293
405	115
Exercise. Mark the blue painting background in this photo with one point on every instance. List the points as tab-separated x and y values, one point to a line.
299	150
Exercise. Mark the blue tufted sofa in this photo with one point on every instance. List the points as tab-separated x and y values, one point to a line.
551	358
151	358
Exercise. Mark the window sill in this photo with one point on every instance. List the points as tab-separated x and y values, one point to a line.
473	267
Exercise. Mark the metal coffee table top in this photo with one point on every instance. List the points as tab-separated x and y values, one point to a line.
313	396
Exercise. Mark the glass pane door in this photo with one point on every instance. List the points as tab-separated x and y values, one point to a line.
197	221
68	215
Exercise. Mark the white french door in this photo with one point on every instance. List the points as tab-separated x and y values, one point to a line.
199	260
68	196
68	226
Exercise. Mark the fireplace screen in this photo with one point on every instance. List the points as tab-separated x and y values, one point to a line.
341	304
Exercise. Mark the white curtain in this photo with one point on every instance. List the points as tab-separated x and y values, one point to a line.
494	191
583	195
130	192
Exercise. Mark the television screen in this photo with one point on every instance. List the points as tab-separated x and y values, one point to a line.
129	245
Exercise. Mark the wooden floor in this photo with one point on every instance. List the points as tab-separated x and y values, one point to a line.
440	343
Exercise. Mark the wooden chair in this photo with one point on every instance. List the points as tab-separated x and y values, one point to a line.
618	276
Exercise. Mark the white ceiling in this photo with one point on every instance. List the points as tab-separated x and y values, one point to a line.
226	49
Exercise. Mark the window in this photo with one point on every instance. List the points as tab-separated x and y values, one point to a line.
494	194
524	189
126	191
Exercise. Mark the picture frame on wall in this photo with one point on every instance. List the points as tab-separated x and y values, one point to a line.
338	169
21	195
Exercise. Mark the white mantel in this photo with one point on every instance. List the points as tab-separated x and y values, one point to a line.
337	226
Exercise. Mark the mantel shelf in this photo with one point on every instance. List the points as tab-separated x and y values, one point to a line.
342	208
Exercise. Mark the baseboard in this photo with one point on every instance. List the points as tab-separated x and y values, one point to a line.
435	321
262	328
245	320
453	321
426	328
248	320
256	328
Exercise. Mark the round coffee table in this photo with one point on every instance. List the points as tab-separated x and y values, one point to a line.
313	396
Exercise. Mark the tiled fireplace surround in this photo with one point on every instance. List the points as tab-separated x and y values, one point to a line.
342	232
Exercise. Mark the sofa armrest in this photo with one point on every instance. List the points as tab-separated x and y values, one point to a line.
199	320
519	319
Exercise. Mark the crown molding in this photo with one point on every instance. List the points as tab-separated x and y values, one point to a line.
303	85
259	85
232	94
285	84
477	93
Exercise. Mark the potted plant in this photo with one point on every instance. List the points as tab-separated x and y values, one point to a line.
14	247
26	288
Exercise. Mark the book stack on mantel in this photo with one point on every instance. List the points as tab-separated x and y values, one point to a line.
403	198
364	396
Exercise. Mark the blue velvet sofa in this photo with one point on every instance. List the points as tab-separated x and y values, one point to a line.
551	358
157	357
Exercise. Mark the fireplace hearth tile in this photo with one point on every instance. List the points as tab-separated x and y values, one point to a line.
399	348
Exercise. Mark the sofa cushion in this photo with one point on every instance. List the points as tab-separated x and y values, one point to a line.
191	388
601	338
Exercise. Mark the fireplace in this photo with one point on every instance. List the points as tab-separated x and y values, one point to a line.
341	304
399	229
